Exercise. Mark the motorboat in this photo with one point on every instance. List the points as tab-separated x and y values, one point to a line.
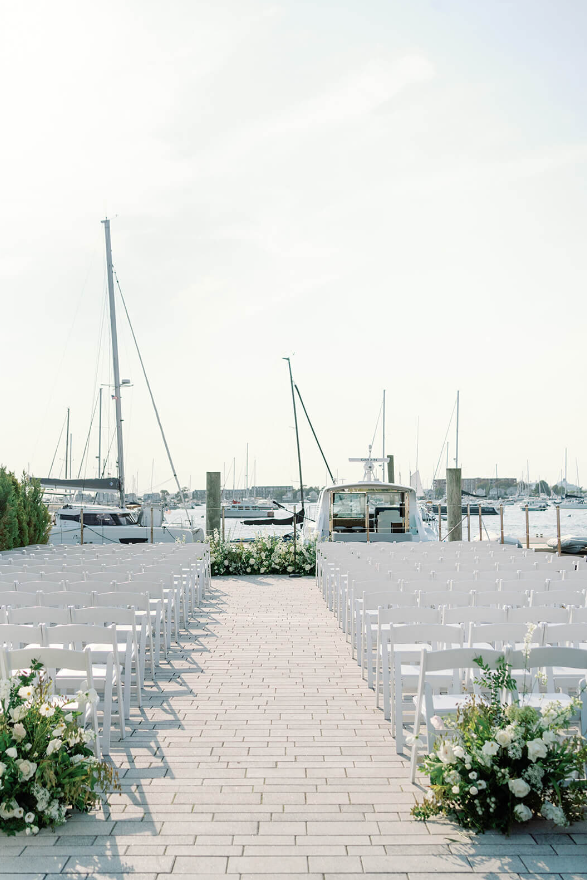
369	510
103	524
249	508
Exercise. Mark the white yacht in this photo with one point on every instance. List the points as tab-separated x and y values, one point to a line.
103	524
369	510
249	508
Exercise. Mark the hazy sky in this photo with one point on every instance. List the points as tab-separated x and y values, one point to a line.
392	192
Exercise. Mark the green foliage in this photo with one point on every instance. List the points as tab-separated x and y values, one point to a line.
46	763
24	518
264	555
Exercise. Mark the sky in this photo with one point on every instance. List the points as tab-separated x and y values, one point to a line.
392	194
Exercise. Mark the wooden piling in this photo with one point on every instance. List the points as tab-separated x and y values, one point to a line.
81	522
480	523
213	506
152	534
501	523
558	530
468	522
527	529
440	522
454	504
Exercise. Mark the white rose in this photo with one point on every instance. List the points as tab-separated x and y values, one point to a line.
436	722
503	737
536	749
54	746
481	784
19	712
473	790
18	813
57	731
26	768
549	737
473	775
459	752
12	753
446	754
455	789
2	768
490	748
30	817
522	812
18	732
518	787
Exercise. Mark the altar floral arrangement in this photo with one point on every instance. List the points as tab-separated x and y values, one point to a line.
500	764
263	555
47	765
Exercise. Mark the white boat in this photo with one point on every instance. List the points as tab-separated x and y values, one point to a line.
248	508
571	504
369	510
103	524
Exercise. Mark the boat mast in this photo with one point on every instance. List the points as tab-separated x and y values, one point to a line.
100	436
457	449
115	367
67	444
383	432
293	397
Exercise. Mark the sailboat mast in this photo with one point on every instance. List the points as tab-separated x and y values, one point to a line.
457	449
293	397
100	436
383	439
115	367
67	445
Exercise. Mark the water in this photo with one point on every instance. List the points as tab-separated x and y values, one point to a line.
542	524
235	529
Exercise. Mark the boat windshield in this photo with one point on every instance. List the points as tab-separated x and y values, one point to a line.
373	511
102	519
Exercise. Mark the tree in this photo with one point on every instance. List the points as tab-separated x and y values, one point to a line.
8	512
24	518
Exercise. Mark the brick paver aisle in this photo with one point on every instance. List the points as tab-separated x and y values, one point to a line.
259	753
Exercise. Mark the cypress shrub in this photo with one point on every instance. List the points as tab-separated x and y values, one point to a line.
24	518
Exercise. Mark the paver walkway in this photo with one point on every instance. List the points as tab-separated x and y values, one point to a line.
259	753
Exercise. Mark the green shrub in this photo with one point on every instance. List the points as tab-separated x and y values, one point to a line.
24	518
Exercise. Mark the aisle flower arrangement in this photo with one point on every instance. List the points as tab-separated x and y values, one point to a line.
47	765
263	555
501	764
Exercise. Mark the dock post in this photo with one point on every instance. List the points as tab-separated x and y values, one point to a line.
213	505
390	469
223	525
367	517
501	523
440	522
480	523
81	522
468	522
527	529
558	530
152	541
454	504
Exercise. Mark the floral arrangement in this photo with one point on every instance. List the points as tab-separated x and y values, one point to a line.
46	762
505	763
263	555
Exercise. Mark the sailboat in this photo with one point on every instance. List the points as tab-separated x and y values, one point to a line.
80	523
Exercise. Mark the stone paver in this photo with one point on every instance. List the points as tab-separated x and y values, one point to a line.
258	753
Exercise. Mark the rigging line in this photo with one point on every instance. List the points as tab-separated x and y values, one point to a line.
314	433
87	441
377	425
57	447
180	490
108	452
444	443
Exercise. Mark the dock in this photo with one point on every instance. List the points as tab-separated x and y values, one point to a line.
259	753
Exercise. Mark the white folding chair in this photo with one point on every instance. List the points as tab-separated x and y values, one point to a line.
428	704
549	658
